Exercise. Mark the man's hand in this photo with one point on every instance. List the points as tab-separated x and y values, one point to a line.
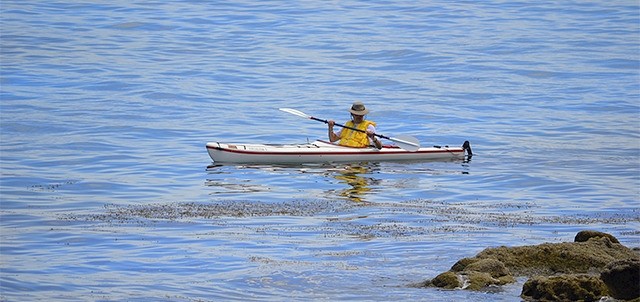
370	134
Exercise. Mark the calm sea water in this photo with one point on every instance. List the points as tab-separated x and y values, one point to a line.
108	194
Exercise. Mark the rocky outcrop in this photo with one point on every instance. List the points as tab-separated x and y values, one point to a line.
447	280
584	236
623	279
554	258
593	266
564	288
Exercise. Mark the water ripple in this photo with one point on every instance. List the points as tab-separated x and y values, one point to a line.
106	107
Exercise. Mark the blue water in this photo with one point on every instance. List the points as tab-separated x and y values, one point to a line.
108	194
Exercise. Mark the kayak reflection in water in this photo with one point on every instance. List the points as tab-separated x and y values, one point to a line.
363	137
360	185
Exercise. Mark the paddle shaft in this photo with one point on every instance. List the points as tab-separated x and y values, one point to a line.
351	128
408	143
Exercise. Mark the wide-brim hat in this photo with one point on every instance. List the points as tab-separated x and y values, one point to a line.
358	109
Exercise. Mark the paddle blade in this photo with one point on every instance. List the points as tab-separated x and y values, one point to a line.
295	112
406	142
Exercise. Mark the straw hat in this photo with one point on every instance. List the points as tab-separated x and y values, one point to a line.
358	109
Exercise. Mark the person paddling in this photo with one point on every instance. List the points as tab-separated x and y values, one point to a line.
352	138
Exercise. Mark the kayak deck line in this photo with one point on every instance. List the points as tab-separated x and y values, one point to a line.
323	151
255	149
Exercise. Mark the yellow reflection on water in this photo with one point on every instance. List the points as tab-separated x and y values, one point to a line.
355	175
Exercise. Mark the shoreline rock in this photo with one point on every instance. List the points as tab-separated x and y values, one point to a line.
594	266
584	236
564	288
622	277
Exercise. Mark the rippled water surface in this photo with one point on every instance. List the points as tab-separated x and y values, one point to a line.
107	192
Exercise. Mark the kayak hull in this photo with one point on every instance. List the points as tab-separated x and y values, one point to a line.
322	152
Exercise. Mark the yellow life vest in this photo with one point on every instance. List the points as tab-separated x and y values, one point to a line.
352	138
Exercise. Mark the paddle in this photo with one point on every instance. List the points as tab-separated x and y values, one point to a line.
406	142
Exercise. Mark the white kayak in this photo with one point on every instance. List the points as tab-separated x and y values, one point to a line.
323	151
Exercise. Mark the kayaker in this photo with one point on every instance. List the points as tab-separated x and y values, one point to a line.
352	138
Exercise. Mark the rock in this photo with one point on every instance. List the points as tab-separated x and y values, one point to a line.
484	273
474	274
564	288
448	280
479	281
584	236
623	279
462	263
590	255
552	258
491	266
